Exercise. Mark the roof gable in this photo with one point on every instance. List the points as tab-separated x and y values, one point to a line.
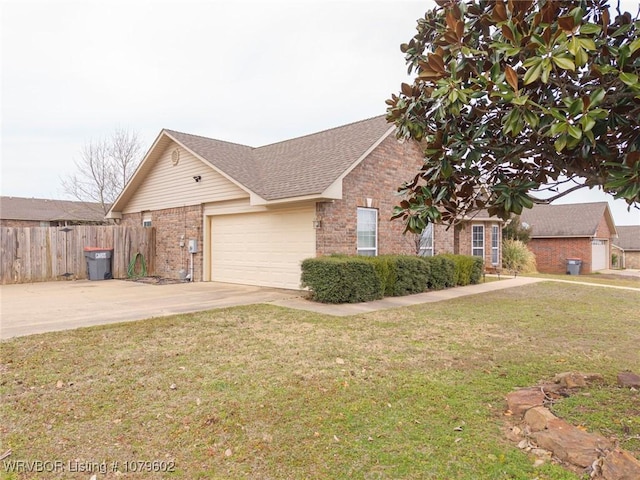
569	220
235	160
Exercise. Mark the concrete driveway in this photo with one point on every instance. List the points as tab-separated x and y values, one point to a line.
31	308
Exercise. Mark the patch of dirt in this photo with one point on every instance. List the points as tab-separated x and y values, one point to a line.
153	280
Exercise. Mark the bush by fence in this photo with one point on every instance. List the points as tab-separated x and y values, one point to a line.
39	254
348	279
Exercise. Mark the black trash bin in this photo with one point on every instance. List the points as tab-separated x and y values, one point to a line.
98	263
573	266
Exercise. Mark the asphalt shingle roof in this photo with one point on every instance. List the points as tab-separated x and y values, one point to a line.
301	166
628	237
570	220
44	210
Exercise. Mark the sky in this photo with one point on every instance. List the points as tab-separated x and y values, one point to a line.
253	73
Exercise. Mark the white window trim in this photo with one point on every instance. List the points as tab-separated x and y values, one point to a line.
427	251
367	249
495	245
147	220
473	247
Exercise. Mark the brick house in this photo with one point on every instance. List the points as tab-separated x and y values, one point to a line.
40	212
583	231
628	246
233	213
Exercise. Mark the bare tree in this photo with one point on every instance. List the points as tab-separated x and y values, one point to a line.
104	168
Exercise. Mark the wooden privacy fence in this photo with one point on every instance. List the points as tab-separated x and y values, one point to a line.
39	254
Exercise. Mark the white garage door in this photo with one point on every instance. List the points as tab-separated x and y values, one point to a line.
599	255
262	248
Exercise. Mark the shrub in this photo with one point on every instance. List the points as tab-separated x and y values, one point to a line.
517	257
412	275
467	269
341	279
401	274
386	269
441	272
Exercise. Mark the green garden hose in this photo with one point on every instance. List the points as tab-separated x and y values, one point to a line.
132	266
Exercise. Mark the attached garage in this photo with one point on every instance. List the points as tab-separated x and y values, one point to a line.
261	248
570	231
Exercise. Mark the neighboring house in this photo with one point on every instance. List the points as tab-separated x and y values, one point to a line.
232	213
581	231
39	212
628	244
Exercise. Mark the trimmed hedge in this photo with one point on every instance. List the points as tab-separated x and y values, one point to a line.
441	272
341	279
401	274
353	279
412	277
467	269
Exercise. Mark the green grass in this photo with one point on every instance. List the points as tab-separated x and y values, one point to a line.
595	278
263	392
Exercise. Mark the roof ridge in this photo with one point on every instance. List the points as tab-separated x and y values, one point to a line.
321	131
208	138
280	141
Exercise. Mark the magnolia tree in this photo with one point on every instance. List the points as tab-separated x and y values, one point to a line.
519	102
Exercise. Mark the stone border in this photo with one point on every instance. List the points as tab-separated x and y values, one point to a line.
548	437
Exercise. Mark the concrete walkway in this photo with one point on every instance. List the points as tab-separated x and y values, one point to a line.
347	309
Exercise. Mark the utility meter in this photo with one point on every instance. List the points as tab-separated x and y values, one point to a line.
193	245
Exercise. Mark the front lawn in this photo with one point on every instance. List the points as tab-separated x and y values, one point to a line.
262	392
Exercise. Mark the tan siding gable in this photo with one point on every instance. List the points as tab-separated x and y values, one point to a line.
168	185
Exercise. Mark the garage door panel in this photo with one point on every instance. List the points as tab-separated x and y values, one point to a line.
262	248
599	255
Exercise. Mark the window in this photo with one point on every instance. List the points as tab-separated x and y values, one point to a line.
426	241
477	240
495	245
367	232
146	219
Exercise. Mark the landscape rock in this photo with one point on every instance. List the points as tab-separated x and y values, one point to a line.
571	380
522	400
629	380
514	434
538	418
593	378
578	379
620	465
569	443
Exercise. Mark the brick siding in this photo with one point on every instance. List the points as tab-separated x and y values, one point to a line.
552	253
377	178
173	226
463	239
632	260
